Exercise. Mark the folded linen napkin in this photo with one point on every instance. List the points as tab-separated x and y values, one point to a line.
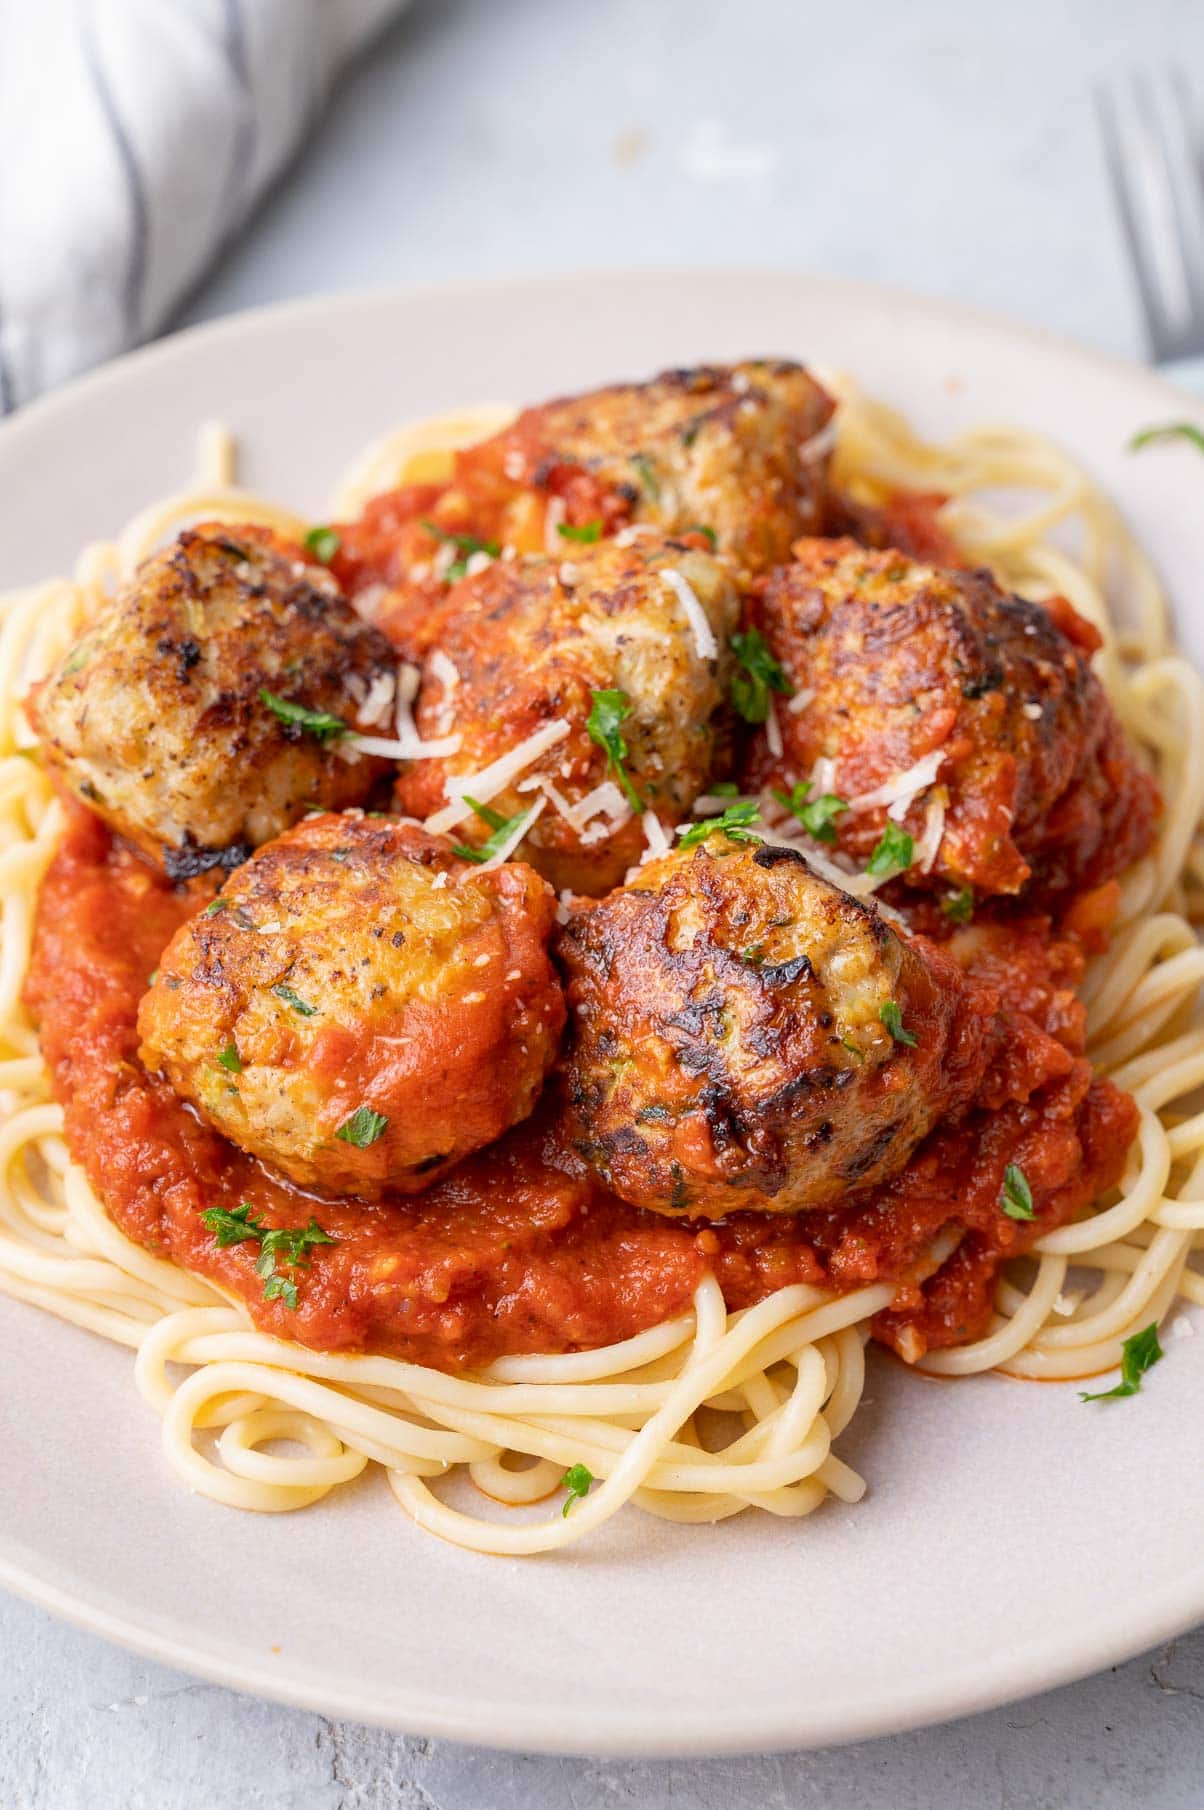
136	136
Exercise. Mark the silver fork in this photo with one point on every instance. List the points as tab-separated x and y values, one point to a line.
1152	150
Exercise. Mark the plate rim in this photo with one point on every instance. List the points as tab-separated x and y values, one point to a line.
1015	1674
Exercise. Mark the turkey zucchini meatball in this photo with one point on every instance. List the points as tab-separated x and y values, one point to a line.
974	717
359	1009
745	1035
156	719
625	647
737	450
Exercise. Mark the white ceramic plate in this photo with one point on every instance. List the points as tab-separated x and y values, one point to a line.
1011	1540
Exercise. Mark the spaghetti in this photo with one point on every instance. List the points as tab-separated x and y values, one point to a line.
714	1411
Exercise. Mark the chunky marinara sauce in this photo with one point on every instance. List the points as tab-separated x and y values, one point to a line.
519	1250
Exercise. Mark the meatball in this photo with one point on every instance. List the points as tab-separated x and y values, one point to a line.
973	717
735	449
359	1009
745	1035
532	643
156	719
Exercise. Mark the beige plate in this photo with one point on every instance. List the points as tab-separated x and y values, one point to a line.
1012	1539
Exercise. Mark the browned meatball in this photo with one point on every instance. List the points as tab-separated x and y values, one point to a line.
532	643
737	450
972	716
156	719
745	1035
359	1009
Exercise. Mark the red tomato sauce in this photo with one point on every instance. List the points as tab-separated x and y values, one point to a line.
520	1250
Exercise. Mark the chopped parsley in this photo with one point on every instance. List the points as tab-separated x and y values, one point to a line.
1170	430
230	1058
649	482
608	712
759	675
725	788
959	906
816	816
1138	1354
363	1127
857	1054
278	1245
293	999
586	533
502	828
732	823
1016	1199
892	853
466	545
318	723
892	1018
576	1481
323	543
214	906
708	534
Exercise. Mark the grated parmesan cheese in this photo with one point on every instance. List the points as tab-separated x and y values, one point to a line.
929	846
773	729
654	834
488	781
899	793
800	701
377	701
705	643
505	849
820	444
553	542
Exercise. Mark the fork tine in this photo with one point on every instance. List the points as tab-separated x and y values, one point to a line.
1149	142
1167	110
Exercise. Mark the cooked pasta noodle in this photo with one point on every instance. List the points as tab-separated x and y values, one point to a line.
715	1411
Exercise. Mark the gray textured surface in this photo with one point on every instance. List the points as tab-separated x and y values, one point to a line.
939	146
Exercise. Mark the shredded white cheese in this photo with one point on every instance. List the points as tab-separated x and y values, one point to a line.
477	562
929	846
899	793
704	636
654	834
800	701
773	730
627	537
607	799
1033	712
820	444
552	540
505	849
388	749
378	700
489	781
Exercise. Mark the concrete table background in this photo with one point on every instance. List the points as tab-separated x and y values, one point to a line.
942	146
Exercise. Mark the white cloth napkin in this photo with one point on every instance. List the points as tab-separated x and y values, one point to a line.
136	137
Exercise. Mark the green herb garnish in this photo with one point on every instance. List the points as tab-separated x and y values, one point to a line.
282	1244
1138	1354
608	711
959	906
708	533
892	1018
362	1128
576	1481
214	906
293	999
892	853
649	481
1170	430
466	545
760	674
230	1058
318	723
817	816
725	788
323	543
502	828
1016	1199
585	532
732	823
